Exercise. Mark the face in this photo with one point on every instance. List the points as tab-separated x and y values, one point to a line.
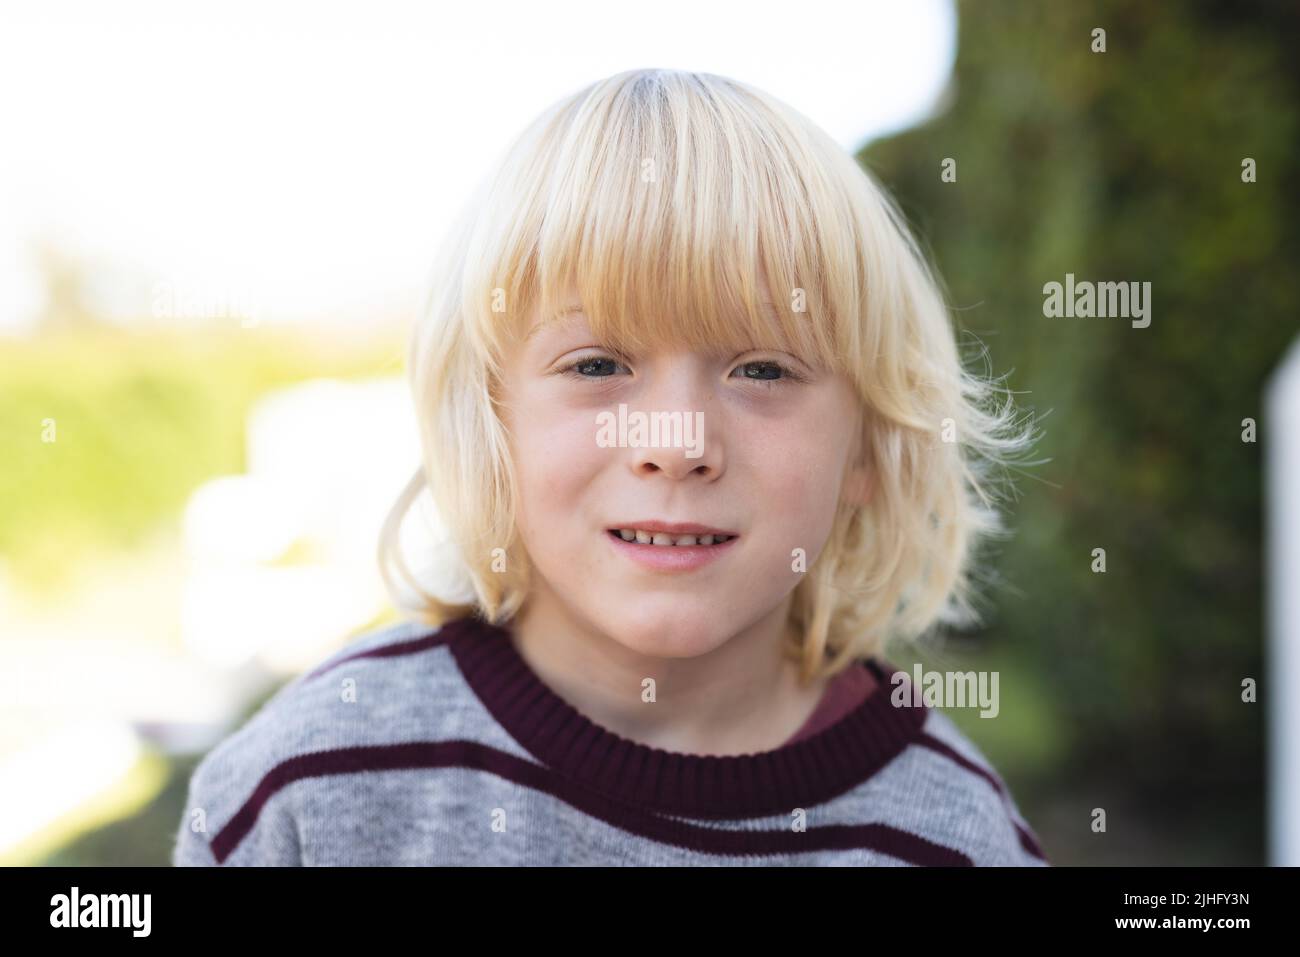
766	448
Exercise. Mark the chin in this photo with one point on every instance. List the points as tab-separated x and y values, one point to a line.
671	636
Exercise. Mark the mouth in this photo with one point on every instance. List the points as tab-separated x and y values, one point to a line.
674	551
671	535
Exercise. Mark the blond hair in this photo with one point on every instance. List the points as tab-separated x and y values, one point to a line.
666	198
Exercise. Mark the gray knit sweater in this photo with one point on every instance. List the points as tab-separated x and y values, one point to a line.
416	745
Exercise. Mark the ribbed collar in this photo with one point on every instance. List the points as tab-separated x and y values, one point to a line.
794	775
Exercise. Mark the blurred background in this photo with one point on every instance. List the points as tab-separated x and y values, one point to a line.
217	224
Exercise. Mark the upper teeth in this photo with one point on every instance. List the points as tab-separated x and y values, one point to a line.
663	538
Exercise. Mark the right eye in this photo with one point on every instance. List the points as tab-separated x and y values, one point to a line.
587	368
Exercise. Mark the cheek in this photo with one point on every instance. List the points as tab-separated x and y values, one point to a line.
798	468
555	458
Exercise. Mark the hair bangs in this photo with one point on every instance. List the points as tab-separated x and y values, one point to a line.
679	218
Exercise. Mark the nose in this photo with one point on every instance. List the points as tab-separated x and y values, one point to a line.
682	438
675	463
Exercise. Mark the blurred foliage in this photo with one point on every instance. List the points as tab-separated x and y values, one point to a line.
1124	166
140	418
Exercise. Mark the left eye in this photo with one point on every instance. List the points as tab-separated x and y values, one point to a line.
767	371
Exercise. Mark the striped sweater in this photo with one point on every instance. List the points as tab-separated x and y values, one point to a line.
416	745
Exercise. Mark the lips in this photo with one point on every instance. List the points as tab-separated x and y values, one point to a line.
663	552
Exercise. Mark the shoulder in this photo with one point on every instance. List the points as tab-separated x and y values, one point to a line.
368	694
964	802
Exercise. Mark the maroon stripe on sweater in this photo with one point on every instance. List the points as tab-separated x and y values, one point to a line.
420	755
1027	839
397	648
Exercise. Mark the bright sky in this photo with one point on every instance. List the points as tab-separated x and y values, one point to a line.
304	158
